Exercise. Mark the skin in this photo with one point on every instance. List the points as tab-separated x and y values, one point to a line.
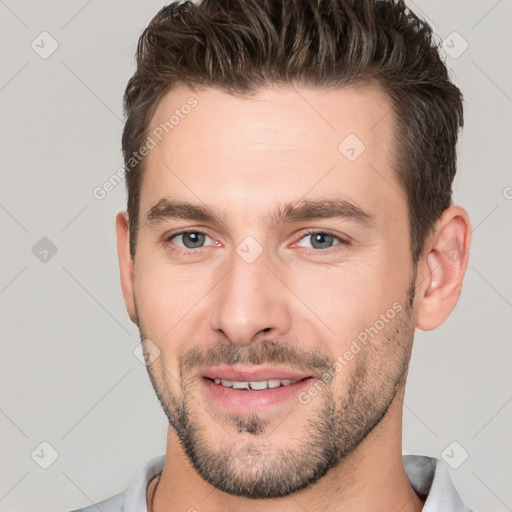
243	158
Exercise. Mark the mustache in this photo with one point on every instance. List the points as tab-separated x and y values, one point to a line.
267	351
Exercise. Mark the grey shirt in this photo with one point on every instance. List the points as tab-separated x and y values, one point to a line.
429	477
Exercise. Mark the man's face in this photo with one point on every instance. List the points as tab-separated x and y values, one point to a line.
269	288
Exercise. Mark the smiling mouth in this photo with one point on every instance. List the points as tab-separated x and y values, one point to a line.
256	385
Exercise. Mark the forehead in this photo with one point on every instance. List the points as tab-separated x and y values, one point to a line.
248	153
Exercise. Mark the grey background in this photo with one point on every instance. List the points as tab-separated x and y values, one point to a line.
69	374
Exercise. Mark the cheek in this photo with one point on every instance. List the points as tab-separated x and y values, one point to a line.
343	301
167	298
165	303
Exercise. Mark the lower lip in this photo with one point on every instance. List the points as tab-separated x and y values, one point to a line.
247	401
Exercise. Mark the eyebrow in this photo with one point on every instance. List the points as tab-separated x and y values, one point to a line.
297	211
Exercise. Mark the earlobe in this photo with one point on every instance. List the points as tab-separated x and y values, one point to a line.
442	268
125	264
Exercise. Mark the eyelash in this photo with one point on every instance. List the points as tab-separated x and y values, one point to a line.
312	250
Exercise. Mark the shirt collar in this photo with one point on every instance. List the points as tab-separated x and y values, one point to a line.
429	478
135	495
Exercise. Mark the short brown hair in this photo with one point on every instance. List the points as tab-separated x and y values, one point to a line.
240	46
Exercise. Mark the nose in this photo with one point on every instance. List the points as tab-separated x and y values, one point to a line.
250	302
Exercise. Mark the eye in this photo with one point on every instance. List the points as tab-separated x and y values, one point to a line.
189	239
320	240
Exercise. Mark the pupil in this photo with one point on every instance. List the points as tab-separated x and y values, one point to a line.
193	240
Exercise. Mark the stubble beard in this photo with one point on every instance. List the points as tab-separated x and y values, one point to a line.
247	463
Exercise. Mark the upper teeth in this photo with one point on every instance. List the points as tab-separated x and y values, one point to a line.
256	385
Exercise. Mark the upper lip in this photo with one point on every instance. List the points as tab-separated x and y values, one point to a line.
252	374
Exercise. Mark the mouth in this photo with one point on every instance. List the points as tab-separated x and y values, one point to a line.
256	385
252	389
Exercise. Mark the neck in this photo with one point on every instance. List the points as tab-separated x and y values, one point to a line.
372	477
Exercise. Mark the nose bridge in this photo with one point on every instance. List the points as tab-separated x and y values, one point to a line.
249	298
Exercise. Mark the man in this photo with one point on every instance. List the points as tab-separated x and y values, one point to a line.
289	225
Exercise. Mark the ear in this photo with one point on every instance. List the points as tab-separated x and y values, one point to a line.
125	263
442	267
